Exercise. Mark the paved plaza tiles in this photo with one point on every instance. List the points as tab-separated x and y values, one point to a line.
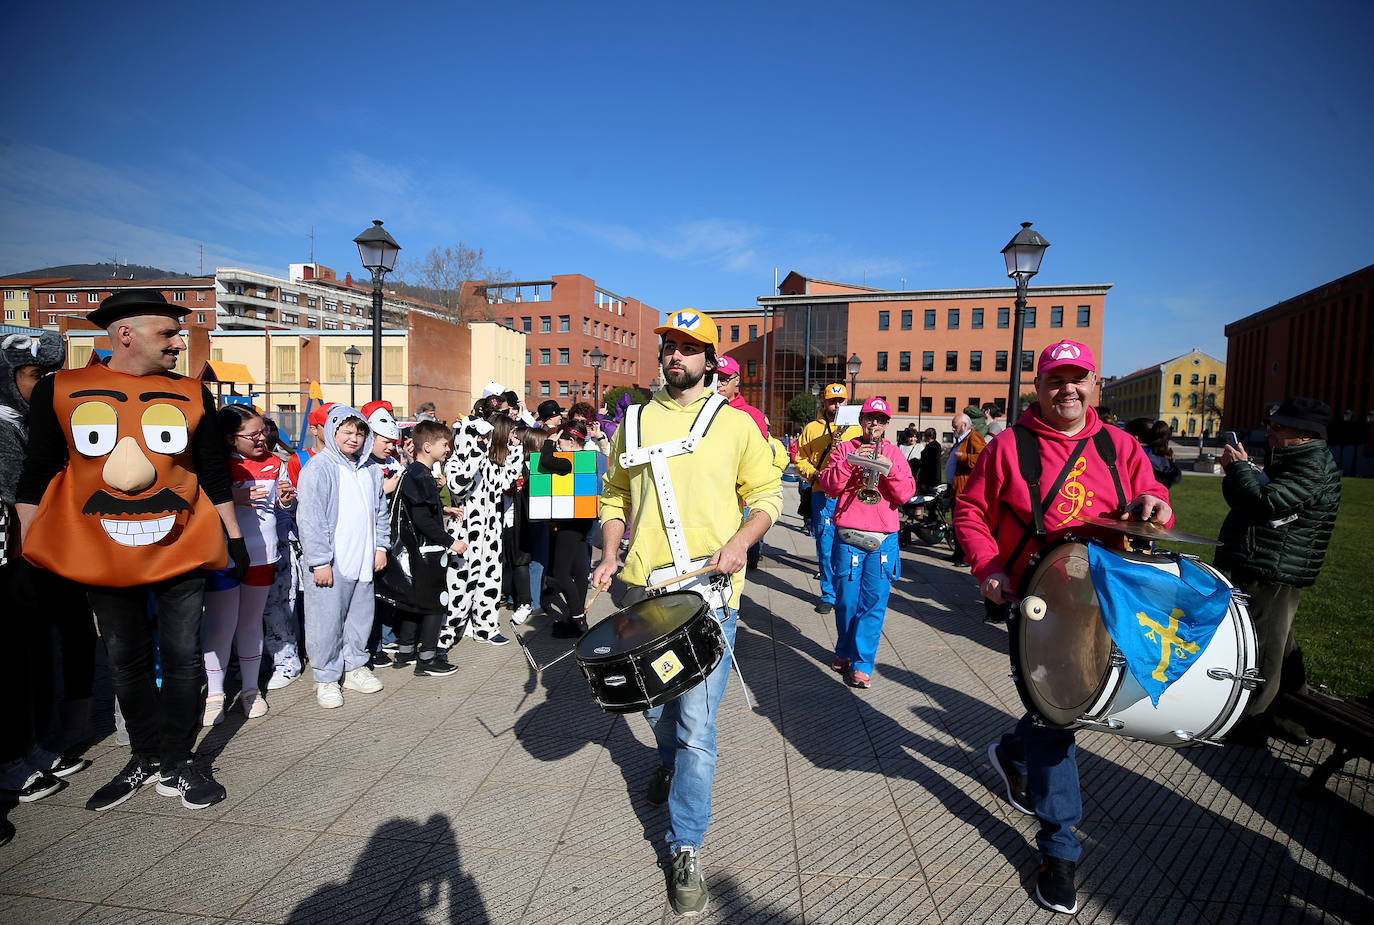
495	795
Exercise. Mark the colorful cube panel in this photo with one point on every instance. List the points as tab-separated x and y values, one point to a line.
565	497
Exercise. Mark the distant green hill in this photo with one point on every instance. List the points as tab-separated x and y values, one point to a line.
89	272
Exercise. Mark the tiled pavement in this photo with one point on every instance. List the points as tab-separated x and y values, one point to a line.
498	796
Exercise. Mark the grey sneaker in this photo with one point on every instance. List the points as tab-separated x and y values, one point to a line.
688	894
660	785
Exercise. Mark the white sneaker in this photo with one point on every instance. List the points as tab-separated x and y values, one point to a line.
362	680
279	680
253	703
522	613
328	695
214	710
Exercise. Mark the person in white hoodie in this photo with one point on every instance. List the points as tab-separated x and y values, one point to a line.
345	531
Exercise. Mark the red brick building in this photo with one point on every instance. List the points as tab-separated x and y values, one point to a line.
564	318
928	352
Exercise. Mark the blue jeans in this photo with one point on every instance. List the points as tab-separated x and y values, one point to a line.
1048	758
539	561
823	529
685	730
863	581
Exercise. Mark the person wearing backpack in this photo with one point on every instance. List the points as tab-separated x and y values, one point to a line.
1055	470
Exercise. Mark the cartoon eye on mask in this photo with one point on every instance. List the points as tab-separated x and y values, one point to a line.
164	429
95	428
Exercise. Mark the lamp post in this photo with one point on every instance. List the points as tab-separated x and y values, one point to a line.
351	356
378	251
920	400
853	367
596	357
654	386
1023	254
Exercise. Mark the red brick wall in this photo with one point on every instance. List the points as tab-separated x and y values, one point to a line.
440	355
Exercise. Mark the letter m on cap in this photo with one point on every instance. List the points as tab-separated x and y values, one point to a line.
686	320
1066	352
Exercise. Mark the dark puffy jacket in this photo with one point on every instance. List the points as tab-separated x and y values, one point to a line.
1278	529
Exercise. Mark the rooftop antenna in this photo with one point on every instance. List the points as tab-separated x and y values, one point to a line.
312	243
202	259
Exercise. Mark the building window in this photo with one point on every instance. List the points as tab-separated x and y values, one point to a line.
975	361
525	325
200	317
288	318
72	297
546	324
1211	378
949	405
52	319
926	404
928	361
200	296
753	333
528	357
1056	316
564	324
9	295
562	356
510	323
331	306
904	361
545	353
311	301
1030	316
1192	402
882	361
903	404
951	361
1085	313
884	320
310	322
1174	401
953	319
1027	361
1193	380
930	319
9	314
178	295
975	402
1004	317
52	297
1178	379
906	319
586	325
752	368
290	298
734	334
562	389
999	362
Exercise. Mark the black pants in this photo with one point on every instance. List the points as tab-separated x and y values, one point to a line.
162	723
515	578
568	574
418	633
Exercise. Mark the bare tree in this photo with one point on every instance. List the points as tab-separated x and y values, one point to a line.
450	277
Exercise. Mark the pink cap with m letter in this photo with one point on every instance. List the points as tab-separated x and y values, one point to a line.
1066	353
876	406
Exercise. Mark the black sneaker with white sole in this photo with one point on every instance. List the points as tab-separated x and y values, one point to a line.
1013	780
137	774
1054	887
194	785
436	667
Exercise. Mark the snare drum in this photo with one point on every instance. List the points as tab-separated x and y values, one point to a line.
1071	675
650	652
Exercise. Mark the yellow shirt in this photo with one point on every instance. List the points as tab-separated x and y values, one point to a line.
815	438
730	466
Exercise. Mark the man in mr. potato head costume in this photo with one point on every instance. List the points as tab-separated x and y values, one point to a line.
126	490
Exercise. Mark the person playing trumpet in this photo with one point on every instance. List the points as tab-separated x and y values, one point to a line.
869	480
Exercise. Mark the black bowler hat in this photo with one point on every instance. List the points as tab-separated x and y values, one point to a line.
131	302
548	409
1302	413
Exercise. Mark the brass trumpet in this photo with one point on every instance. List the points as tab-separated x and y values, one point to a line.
875	466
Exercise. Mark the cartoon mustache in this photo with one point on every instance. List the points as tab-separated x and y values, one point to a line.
165	501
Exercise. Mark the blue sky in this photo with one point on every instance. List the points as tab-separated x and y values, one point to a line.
1207	159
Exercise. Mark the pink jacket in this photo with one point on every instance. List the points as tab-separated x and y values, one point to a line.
990	516
739	402
840	480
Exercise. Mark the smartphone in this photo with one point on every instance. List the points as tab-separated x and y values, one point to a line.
1229	438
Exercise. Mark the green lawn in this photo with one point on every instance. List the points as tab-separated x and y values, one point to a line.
1335	622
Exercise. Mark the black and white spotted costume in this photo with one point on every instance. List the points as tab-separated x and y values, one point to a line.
474	580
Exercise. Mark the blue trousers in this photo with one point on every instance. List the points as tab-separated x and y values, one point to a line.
863	581
1049	759
685	730
823	529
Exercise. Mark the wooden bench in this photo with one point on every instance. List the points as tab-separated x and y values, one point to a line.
1348	724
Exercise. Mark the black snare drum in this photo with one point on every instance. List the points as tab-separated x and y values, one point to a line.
650	652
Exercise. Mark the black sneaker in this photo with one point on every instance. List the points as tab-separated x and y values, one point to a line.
436	667
404	659
688	894
1013	780
1054	887
825	607
660	785
380	659
137	774
36	786
195	786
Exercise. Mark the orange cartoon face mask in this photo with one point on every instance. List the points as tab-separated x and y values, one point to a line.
127	509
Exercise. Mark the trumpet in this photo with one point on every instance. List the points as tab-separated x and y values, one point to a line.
875	466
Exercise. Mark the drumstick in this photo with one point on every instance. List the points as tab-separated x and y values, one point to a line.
680	578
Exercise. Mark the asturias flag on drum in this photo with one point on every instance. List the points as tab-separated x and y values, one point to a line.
1160	621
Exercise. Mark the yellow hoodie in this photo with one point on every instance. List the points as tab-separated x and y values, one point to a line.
730	466
815	438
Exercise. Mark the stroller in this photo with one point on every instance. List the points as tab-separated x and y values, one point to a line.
927	516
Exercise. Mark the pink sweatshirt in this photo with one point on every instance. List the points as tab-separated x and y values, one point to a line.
840	480
989	515
739	403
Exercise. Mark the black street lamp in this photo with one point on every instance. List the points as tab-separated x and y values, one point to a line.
654	386
378	251
597	358
351	356
1023	254
853	367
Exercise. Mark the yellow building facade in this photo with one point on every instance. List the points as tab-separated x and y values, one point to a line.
498	355
1186	392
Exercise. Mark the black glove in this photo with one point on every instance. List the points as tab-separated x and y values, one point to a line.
238	558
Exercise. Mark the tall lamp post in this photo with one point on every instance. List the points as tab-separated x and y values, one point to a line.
654	386
1023	254
378	251
853	367
597	358
920	400
351	356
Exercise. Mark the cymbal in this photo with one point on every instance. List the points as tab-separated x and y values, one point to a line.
1151	530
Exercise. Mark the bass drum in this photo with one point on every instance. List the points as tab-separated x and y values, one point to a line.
1070	674
651	652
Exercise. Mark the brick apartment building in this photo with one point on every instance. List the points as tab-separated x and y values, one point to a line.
928	352
563	319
